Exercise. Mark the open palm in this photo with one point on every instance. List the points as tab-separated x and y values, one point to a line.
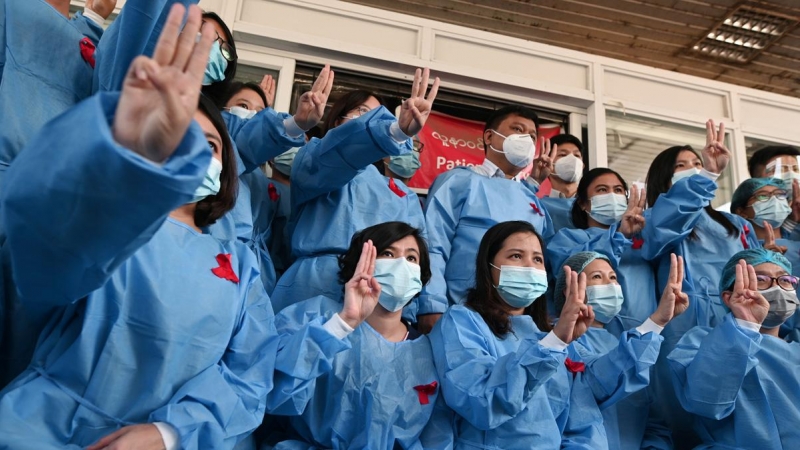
160	94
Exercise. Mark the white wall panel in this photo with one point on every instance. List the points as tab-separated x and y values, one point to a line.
335	27
510	61
657	94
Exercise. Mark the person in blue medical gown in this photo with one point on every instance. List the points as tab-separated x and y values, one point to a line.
618	368
46	72
680	220
42	74
565	153
383	391
280	180
781	161
465	202
739	378
160	336
336	190
260	134
765	203
609	223
509	381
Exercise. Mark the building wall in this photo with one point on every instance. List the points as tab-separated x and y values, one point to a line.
276	33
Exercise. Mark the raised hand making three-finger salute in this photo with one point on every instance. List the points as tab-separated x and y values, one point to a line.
674	301
633	221
746	302
362	292
415	110
576	316
160	94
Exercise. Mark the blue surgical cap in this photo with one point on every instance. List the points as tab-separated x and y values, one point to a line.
749	187
577	263
754	257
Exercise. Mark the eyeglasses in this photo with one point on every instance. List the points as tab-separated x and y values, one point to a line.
418	146
779	194
358	112
786	282
227	51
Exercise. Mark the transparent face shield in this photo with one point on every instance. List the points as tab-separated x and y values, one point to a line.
786	168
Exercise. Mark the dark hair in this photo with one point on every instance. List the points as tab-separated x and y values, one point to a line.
497	117
382	236
659	180
238	86
347	102
213	207
762	156
218	91
580	218
484	299
566	139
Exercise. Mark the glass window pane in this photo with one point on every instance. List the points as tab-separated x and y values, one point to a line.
634	142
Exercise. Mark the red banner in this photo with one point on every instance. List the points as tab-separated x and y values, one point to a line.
451	142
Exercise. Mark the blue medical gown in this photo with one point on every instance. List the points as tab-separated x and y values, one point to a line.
511	393
130	339
790	330
621	375
134	32
279	243
742	386
336	191
634	273
42	72
560	211
256	141
461	206
367	400
669	224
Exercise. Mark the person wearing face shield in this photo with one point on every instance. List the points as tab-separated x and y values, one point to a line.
610	222
618	368
504	369
561	163
739	378
386	358
465	202
781	161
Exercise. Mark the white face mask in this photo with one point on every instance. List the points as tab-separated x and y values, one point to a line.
242	113
782	305
518	148
684	174
569	168
608	208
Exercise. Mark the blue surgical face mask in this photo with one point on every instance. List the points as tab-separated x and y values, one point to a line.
684	174
608	208
215	69
405	166
774	211
211	182
400	281
520	286
606	301
242	113
283	162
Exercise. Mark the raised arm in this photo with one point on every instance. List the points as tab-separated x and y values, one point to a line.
80	204
269	134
